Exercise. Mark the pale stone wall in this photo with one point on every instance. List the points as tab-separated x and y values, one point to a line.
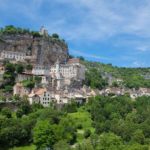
21	77
45	98
34	99
70	71
40	70
18	89
18	56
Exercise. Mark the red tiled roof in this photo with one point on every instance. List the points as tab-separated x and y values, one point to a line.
73	60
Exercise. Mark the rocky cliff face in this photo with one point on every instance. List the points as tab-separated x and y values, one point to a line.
46	50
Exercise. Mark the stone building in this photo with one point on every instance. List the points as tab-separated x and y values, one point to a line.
11	55
43	31
72	69
20	90
65	74
61	74
55	79
23	76
45	80
2	70
40	70
40	95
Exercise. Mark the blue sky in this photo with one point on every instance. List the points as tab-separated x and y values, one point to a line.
109	31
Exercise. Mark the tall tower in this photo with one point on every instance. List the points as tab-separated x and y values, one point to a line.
57	66
43	31
58	75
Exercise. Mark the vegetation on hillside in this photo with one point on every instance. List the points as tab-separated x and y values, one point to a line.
9	76
104	123
12	30
132	77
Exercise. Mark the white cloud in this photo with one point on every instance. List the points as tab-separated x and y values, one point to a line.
137	64
96	19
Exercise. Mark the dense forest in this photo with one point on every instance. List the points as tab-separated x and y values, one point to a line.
104	123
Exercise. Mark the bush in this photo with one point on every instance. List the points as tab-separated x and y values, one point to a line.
8	88
28	83
79	126
55	35
87	133
37	79
35	34
19	113
6	112
19	68
29	67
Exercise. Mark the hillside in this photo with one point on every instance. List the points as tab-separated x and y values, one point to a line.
104	123
45	49
132	77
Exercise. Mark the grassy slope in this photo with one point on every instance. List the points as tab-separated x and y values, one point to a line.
82	117
31	147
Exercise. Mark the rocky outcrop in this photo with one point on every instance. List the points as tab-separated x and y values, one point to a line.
46	50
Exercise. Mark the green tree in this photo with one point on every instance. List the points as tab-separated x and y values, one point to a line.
29	83
25	106
37	79
16	98
19	113
85	145
62	145
19	68
136	147
109	141
9	77
94	79
44	135
70	107
81	58
87	133
10	67
29	67
6	112
55	35
138	136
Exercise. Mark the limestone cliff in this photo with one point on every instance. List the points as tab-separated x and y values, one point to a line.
46	50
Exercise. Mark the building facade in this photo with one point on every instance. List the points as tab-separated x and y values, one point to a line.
72	69
41	95
40	70
20	90
17	56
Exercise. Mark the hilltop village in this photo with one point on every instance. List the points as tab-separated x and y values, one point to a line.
52	100
59	79
58	82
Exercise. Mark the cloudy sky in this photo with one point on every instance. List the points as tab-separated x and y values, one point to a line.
109	31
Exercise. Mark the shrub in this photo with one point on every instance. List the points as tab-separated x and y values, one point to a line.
55	35
6	112
79	126
87	133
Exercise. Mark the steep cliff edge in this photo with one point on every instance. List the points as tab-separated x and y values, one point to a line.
45	49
